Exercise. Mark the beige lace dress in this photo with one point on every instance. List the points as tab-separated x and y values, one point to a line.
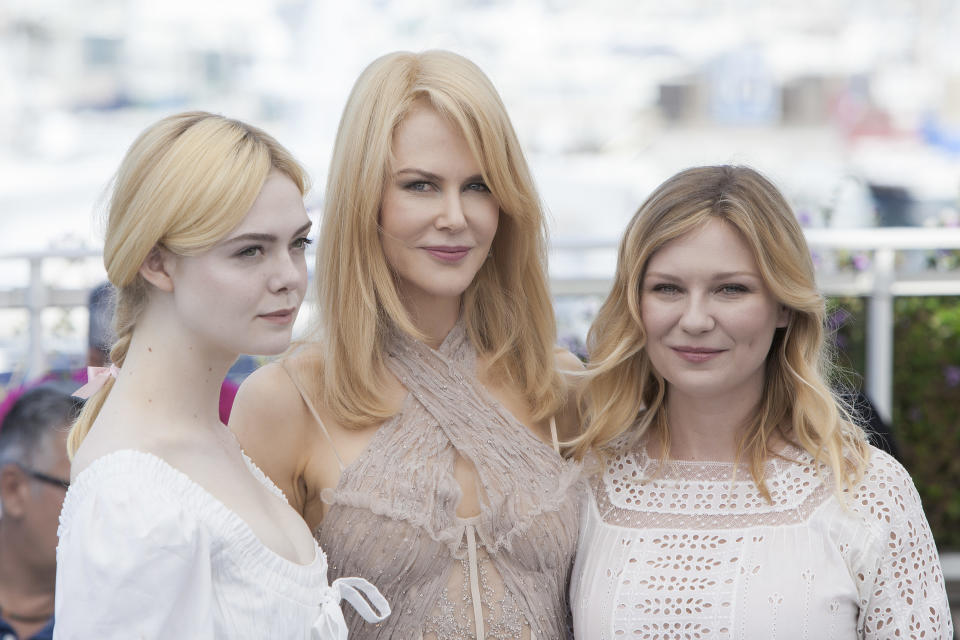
502	574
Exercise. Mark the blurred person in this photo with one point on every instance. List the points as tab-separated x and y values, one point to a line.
34	476
735	496
100	304
168	530
417	429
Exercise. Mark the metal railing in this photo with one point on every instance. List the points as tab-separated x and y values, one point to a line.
880	281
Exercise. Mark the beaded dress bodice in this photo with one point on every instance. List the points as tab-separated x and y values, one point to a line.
392	517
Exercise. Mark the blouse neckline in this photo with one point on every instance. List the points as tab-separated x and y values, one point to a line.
239	533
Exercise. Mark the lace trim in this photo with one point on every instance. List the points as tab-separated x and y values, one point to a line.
636	491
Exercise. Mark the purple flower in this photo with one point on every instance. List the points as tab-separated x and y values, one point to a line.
861	262
951	373
837	319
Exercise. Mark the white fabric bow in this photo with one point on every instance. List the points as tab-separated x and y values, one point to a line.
330	625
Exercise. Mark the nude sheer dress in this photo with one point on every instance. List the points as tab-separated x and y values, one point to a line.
502	574
690	551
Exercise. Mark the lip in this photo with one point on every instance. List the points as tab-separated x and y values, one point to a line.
446	253
697	354
281	316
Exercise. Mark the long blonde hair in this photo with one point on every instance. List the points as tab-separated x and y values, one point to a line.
506	309
185	182
624	392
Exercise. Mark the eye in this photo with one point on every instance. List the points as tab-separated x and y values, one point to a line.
733	289
418	186
665	288
480	187
250	252
301	243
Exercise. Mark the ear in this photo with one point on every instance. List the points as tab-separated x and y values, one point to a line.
13	491
783	316
156	268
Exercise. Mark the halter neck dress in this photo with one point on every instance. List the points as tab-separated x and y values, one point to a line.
392	517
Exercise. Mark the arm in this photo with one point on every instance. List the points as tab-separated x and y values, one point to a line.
270	421
906	595
131	564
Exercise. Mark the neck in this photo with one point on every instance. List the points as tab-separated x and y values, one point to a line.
176	379
707	428
434	318
26	594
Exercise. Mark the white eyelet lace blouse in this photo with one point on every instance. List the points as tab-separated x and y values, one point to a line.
687	551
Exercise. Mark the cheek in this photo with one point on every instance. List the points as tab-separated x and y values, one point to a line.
392	252
754	324
491	222
654	318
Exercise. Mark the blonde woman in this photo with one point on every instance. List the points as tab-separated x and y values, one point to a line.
736	499
415	431
168	530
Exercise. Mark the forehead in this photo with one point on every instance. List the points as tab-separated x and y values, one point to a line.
714	247
424	135
51	451
279	205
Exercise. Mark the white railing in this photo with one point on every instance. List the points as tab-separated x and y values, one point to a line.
880	281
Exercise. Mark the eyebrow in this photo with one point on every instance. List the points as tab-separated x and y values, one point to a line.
265	237
432	176
717	276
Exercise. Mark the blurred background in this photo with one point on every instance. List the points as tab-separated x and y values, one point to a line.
851	106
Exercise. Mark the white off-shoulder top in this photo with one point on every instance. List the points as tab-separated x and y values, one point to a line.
145	552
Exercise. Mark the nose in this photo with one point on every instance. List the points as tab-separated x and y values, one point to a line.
451	216
696	317
290	272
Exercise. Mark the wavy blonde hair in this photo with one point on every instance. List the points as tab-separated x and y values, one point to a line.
624	392
185	182
507	308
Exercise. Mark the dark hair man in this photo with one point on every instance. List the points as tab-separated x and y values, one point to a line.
34	475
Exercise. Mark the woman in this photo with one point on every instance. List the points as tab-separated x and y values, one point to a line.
413	431
168	530
736	499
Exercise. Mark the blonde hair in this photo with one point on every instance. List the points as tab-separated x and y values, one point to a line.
185	182
624	392
507	308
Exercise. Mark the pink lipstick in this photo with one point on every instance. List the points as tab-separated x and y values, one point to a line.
447	254
697	354
282	316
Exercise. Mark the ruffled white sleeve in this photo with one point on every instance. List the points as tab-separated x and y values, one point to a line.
903	594
131	563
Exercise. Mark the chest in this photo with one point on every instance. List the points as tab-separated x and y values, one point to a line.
425	449
788	581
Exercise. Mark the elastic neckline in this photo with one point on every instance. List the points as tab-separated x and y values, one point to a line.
183	490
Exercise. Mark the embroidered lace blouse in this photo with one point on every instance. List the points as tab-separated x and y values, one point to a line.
145	552
693	553
392	518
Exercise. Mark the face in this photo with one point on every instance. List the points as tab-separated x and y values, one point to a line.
438	218
42	515
243	294
708	315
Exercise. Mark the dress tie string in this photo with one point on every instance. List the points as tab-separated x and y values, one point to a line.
330	625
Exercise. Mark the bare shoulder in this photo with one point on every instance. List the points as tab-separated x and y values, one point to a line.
274	426
566	361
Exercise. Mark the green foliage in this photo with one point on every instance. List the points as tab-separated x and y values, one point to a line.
926	396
